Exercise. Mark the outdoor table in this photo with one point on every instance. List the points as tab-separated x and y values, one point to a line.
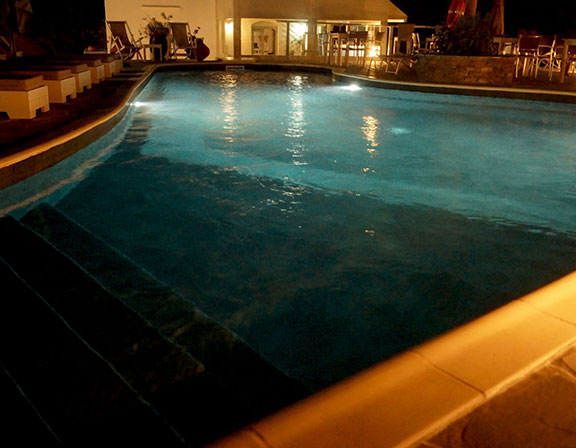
151	47
567	44
504	42
335	47
356	42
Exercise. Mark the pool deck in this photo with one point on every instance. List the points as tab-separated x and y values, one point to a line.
507	379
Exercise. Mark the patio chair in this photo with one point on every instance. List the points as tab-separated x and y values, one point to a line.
558	64
122	41
527	56
404	49
182	41
546	59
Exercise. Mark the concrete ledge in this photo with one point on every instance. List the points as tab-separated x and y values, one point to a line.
556	96
26	163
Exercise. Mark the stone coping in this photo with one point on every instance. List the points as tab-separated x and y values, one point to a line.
418	393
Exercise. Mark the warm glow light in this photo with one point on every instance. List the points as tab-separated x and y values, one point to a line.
372	53
298	29
228	27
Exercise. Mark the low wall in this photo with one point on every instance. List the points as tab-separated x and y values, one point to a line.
477	70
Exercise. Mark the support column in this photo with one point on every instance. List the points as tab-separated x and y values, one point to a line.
237	31
312	51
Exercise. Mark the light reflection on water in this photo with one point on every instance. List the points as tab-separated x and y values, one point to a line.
296	121
229	109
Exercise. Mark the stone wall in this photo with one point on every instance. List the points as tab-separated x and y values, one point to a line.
474	70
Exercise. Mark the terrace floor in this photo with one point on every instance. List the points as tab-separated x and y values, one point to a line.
538	411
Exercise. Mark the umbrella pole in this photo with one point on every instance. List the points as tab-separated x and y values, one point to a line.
471	7
12	21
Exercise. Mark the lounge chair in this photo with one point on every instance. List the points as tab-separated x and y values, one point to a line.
95	65
122	41
22	95
182	40
60	82
80	71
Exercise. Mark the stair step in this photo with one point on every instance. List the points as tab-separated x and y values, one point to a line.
20	419
253	385
81	399
162	372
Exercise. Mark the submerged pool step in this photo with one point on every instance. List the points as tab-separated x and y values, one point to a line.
251	386
56	390
177	386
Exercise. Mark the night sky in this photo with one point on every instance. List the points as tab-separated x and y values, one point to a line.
554	17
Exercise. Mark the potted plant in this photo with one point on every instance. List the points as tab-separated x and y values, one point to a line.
157	31
202	51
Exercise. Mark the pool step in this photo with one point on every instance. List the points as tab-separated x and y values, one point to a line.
57	390
249	387
173	385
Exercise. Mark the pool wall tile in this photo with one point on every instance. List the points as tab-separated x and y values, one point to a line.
393	404
501	347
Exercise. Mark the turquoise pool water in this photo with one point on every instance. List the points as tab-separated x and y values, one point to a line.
330	227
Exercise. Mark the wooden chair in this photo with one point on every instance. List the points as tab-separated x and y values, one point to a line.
182	40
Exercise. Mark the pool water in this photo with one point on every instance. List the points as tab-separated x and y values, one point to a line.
333	227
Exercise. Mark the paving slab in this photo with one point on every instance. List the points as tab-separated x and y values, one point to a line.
537	412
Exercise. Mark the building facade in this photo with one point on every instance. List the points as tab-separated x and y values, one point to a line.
262	29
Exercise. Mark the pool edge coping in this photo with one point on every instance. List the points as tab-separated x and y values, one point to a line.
557	96
434	384
435	360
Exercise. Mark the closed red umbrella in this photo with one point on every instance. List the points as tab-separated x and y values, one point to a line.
455	11
497	17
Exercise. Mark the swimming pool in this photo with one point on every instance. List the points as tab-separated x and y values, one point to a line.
329	226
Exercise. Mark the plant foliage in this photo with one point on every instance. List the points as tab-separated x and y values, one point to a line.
470	36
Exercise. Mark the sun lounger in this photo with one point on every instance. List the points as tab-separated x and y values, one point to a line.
108	61
22	95
95	66
81	73
116	58
61	84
